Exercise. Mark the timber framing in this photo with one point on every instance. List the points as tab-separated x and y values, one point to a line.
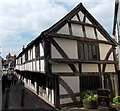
79	38
66	57
56	61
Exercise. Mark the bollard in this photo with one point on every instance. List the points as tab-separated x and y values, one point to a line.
7	98
22	97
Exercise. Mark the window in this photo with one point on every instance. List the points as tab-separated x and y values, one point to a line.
89	82
26	56
37	51
87	51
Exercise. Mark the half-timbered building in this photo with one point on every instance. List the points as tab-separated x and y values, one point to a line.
74	55
116	33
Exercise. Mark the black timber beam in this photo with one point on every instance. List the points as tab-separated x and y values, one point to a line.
56	35
58	61
81	23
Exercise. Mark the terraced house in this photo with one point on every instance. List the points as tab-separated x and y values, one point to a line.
73	55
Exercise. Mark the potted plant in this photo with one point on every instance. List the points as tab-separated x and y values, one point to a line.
90	100
116	100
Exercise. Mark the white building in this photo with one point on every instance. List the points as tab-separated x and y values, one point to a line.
116	27
74	55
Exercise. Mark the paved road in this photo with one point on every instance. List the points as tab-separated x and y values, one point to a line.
32	101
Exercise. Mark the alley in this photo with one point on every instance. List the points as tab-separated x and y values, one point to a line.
31	101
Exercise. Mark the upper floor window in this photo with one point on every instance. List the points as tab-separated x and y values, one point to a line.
87	51
26	56
37	51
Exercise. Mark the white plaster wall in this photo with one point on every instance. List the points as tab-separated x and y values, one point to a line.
33	51
104	48
64	30
90	32
61	68
55	53
28	54
31	54
111	57
62	90
73	82
69	47
87	21
23	58
75	18
81	15
37	65
100	36
41	50
42	65
66	100
110	68
33	65
77	30
90	68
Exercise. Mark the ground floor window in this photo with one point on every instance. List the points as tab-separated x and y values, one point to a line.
89	82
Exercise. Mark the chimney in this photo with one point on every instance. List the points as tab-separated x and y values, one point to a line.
23	48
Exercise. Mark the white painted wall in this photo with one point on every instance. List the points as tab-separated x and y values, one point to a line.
104	48
23	58
41	50
111	57
69	47
73	82
90	68
64	30
55	53
33	65
61	68
29	55
33	52
110	68
42	65
81	15
100	36
88	21
65	101
37	65
90	33
77	30
75	18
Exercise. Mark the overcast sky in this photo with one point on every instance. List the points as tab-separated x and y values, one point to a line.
21	21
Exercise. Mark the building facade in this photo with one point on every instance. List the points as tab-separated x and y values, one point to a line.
116	28
74	55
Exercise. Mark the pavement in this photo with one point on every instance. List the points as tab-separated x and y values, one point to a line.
31	101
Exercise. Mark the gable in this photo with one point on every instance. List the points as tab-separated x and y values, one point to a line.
81	26
80	23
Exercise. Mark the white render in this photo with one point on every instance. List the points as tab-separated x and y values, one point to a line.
55	53
90	32
105	51
64	30
69	47
90	68
75	18
73	82
77	30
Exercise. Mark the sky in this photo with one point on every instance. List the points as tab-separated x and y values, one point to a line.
21	21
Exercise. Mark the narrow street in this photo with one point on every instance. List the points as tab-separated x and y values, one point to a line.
31	101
